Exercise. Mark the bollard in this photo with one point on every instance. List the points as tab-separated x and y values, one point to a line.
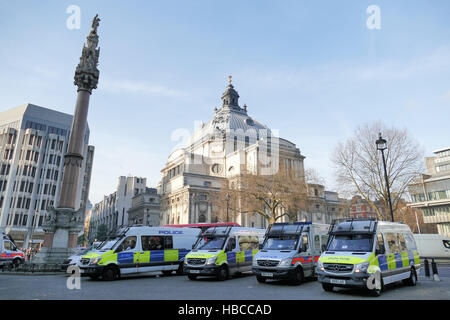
427	268
435	271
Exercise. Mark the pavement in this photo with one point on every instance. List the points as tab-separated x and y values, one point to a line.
173	287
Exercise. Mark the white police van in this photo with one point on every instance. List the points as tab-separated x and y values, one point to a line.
290	251
223	251
138	250
9	252
368	253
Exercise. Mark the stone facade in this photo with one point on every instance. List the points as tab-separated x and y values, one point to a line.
324	206
145	208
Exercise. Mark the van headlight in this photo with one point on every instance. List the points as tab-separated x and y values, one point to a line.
362	267
95	261
320	266
211	260
285	262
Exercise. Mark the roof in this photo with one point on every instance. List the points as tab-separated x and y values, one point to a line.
441	150
39	113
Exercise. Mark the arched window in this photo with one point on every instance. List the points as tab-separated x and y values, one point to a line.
202	218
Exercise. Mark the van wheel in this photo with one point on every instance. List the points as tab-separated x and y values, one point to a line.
223	273
298	276
412	280
261	279
377	292
17	262
327	287
192	276
110	273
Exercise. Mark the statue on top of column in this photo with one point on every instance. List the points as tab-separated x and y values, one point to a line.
86	73
95	24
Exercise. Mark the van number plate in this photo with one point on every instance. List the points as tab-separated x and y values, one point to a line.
337	281
194	271
267	274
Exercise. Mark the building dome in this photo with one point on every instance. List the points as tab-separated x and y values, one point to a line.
230	119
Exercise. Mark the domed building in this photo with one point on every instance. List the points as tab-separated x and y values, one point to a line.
229	144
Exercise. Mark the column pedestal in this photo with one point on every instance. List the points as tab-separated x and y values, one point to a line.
62	227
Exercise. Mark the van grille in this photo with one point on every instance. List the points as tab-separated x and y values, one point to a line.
196	261
338	267
84	261
268	263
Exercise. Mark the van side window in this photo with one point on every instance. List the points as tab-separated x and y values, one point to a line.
247	243
152	243
446	243
410	243
231	244
324	242
8	245
402	242
317	243
380	244
305	242
392	241
168	242
128	244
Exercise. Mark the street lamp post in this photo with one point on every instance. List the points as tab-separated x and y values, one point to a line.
227	197
381	146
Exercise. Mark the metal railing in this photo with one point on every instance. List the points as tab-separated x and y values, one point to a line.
31	267
434	268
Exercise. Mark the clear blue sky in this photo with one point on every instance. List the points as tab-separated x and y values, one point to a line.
311	69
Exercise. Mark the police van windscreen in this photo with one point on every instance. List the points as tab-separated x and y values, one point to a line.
351	242
108	244
211	243
280	243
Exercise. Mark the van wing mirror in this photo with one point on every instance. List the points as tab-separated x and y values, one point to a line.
260	246
380	250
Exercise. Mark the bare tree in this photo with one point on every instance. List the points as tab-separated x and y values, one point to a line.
312	176
270	196
359	166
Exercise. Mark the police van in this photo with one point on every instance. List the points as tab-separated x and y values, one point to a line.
9	252
290	251
223	251
139	250
368	253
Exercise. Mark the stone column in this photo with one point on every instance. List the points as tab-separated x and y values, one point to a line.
63	224
73	160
